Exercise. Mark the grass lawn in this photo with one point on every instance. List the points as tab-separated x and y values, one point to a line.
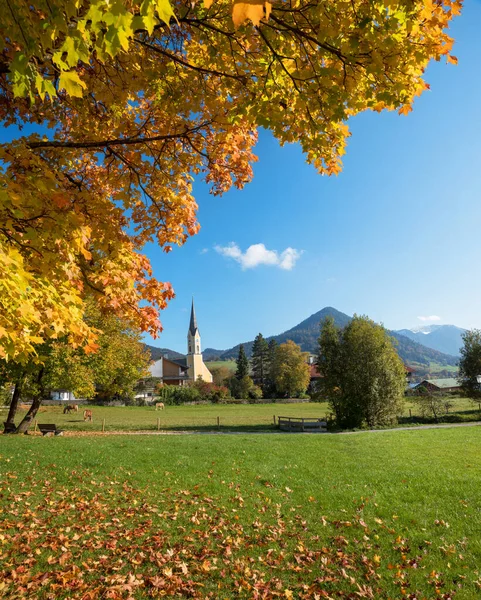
249	417
229	364
383	515
243	417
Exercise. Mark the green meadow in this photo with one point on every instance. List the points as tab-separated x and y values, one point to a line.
369	515
228	364
232	417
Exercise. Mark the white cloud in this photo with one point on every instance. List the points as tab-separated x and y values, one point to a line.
430	318
204	250
258	254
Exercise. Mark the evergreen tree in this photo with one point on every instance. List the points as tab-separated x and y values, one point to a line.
260	360
470	364
242	364
269	384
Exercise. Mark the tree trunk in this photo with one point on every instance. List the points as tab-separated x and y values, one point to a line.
32	413
17	392
30	416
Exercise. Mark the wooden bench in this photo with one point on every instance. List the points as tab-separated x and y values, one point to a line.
301	424
49	428
9	428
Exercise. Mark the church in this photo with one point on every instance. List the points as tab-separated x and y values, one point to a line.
195	362
184	370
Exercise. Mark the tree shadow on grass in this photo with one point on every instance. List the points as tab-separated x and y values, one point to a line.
465	416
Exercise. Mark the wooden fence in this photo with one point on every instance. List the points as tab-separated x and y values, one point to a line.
301	424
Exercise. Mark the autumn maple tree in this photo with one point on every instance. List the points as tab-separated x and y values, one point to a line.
117	105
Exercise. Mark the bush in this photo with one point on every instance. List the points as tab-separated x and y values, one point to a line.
433	405
255	392
176	395
200	391
244	388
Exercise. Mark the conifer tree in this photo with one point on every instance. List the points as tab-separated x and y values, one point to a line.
260	360
269	385
242	364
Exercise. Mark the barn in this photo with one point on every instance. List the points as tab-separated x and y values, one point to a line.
439	385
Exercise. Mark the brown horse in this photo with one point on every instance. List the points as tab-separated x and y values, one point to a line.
159	405
88	415
69	408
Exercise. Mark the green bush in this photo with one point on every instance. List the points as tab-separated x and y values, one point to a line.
200	391
255	392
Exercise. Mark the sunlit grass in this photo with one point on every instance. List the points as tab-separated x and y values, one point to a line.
243	417
393	514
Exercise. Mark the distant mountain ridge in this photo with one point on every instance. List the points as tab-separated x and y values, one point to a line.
306	335
444	338
156	353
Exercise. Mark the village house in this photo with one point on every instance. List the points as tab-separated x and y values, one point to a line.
439	385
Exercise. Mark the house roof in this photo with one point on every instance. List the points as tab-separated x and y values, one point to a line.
449	382
314	371
182	362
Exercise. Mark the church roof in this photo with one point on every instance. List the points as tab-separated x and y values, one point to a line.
193	320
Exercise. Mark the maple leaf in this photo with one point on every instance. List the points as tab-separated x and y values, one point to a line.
200	103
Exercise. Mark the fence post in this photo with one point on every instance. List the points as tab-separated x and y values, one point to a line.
35	428
103	425
274	419
158	423
218	421
410	414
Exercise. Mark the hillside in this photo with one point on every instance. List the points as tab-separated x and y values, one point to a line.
306	334
156	353
444	338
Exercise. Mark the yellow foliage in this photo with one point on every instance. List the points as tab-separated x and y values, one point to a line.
136	98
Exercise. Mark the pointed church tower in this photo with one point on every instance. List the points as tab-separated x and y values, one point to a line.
195	362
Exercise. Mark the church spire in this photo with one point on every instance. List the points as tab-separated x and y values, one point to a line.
193	321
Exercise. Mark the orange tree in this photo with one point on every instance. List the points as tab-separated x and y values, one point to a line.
126	101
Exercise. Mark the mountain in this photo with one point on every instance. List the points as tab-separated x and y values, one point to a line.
156	353
306	334
444	338
212	354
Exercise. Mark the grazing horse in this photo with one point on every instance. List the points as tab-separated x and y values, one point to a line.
159	405
69	408
88	415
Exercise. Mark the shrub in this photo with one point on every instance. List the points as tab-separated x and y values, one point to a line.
255	392
199	391
244	388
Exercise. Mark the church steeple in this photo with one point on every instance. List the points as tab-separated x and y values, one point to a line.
193	335
193	321
195	364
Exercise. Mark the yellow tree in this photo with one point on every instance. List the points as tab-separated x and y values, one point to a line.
124	102
290	369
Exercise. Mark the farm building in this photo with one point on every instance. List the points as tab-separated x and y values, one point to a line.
170	372
62	396
439	385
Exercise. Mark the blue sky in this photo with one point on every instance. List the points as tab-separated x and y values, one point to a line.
396	236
